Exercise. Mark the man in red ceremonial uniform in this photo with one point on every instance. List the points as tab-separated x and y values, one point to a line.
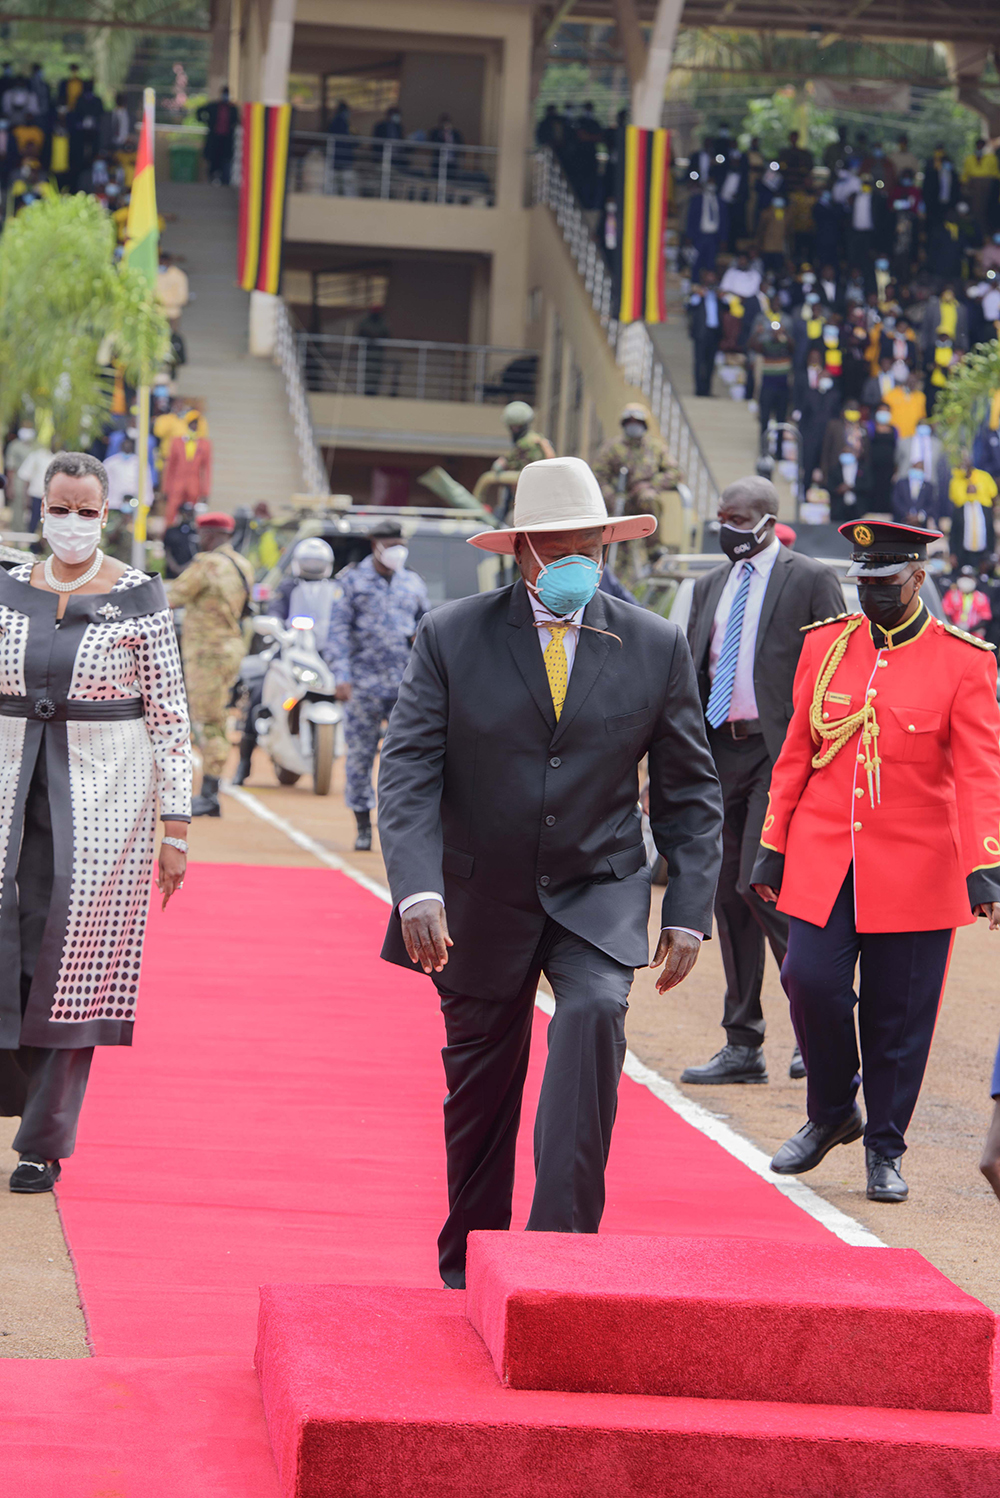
882	835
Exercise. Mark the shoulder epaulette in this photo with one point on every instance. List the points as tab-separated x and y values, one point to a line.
961	634
833	619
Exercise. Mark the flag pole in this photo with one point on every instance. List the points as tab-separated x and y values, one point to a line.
144	499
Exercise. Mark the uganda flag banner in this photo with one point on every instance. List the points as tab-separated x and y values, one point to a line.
643	185
266	132
142	227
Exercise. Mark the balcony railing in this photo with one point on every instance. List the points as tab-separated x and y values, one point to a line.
353	166
288	357
632	345
400	368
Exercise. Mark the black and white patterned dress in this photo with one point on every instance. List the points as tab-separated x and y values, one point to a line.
101	695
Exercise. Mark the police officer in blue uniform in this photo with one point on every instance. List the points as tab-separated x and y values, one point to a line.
372	626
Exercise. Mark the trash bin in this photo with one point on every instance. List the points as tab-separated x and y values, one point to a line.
184	162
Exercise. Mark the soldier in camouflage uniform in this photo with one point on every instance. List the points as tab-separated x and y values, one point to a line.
527	445
372	625
213	590
651	476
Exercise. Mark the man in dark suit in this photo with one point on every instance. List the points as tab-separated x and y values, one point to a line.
745	633
704	311
508	796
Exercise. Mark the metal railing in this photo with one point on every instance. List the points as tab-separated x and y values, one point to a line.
401	368
632	346
288	356
353	166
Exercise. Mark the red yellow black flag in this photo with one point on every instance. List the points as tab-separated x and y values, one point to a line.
266	133
643	188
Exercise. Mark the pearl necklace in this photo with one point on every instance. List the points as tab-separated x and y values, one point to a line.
77	582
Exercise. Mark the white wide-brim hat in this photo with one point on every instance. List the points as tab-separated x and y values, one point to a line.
562	494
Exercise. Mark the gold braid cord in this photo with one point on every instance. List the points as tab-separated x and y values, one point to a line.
833	736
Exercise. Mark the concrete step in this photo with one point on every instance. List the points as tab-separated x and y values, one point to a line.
377	1392
729	1318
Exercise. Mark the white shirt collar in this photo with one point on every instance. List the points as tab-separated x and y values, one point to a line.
543	616
763	561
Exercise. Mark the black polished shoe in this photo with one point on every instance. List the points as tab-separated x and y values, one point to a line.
734	1063
206	803
806	1149
363	841
797	1068
885	1180
34	1175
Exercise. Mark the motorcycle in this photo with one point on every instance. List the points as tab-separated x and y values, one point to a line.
297	719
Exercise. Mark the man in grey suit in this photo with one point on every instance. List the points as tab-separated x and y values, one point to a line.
745	633
508	797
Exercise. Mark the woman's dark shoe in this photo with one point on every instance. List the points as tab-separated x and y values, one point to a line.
34	1174
885	1180
206	803
363	841
797	1069
806	1149
241	772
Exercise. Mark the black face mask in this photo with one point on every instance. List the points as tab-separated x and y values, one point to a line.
883	603
738	545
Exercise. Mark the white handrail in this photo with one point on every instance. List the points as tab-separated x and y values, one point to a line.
632	346
288	356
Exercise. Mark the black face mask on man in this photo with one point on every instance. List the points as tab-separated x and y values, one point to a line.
883	603
740	544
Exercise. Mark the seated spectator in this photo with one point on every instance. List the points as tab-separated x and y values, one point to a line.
966	606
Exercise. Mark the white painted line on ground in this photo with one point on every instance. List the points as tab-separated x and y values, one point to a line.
716	1129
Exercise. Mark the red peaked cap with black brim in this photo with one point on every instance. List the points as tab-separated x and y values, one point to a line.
880	548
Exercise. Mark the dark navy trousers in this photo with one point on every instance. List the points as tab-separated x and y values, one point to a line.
902	978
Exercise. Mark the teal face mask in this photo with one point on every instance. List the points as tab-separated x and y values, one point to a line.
567	584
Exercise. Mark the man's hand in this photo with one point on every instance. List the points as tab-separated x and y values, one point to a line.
679	952
425	933
342	692
991	909
766	893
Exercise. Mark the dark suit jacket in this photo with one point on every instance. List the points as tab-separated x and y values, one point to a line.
799	591
486	799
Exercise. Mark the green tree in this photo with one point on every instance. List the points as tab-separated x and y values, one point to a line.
63	302
965	401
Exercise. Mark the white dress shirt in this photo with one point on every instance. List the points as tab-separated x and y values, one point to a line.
744	701
569	639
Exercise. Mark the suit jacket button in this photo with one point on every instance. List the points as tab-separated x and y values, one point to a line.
858	791
550	821
910	728
544	881
555	761
857	826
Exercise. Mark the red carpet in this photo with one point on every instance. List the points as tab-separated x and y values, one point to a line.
279	1119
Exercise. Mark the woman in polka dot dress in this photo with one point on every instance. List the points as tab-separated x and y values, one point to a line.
94	740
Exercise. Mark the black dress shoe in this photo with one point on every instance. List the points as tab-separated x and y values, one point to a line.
734	1063
206	803
797	1069
806	1149
241	772
885	1181
363	841
34	1175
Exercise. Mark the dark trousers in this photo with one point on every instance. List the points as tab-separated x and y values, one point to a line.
902	978
706	346
485	1063
772	400
41	1085
746	923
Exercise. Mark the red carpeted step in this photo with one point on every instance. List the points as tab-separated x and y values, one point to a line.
729	1318
389	1393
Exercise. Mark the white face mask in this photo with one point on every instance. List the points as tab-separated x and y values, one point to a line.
71	537
394	557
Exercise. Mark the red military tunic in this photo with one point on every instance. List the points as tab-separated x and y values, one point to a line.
916	809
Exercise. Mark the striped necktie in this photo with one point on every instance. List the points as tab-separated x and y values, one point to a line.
721	694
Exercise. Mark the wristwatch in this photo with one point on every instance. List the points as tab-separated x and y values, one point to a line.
175	842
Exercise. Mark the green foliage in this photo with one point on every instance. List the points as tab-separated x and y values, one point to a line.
62	298
964	402
573	83
772	119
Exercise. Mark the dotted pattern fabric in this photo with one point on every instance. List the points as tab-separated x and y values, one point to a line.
117	772
557	666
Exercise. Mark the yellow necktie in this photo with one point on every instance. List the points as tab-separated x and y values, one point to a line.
557	666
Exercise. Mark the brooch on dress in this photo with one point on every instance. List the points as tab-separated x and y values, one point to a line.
110	611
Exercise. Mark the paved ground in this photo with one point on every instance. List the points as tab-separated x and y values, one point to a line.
952	1217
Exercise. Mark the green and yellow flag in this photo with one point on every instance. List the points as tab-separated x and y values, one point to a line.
142	242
